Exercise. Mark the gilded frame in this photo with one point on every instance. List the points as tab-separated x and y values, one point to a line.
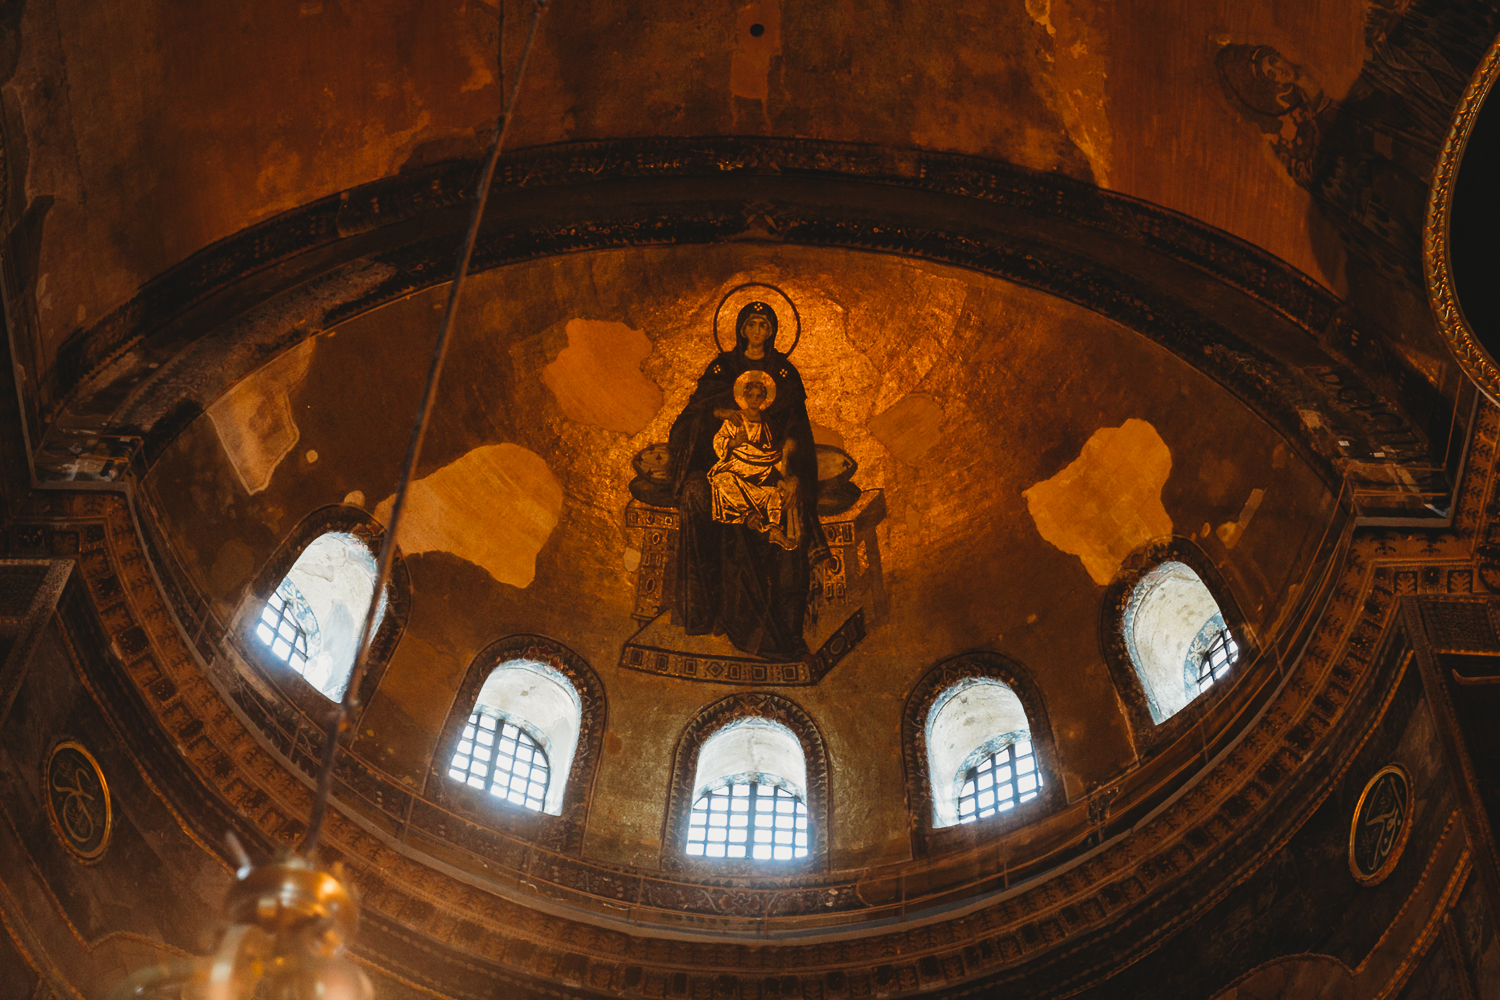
1394	858
1437	262
91	856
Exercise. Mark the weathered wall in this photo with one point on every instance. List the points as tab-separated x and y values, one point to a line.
137	134
956	394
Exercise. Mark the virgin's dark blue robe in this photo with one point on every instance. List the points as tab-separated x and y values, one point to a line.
730	577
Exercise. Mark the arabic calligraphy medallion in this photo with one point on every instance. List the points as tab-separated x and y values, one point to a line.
1382	820
77	800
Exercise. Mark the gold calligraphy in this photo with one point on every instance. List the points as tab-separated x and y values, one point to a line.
77	800
1380	826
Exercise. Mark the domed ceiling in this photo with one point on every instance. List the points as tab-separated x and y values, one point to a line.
1016	448
1072	289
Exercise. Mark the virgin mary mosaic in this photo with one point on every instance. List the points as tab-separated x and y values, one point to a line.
744	472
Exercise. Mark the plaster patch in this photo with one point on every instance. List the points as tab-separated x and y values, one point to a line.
909	428
496	507
597	378
750	64
1107	502
254	419
1040	11
1230	532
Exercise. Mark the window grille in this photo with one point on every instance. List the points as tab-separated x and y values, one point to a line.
496	755
748	816
1221	655
1001	780
286	623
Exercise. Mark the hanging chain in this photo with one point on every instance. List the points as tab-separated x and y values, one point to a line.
350	700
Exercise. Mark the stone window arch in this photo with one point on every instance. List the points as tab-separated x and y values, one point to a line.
766	752
524	728
550	694
980	757
749	794
301	619
966	720
1174	638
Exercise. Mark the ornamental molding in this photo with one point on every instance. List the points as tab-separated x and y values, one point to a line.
1437	264
479	923
1136	263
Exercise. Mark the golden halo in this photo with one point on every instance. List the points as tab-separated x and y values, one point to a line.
736	299
754	375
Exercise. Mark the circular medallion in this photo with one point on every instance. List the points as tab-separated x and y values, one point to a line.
788	321
77	800
1382	819
1475	350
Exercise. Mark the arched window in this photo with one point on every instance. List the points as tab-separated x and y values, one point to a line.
977	745
980	758
312	621
1177	639
520	739
750	794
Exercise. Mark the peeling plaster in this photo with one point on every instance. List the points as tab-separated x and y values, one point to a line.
254	420
597	378
1080	69
750	65
495	507
1108	501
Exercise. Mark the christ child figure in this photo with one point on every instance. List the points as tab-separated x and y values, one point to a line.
749	483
